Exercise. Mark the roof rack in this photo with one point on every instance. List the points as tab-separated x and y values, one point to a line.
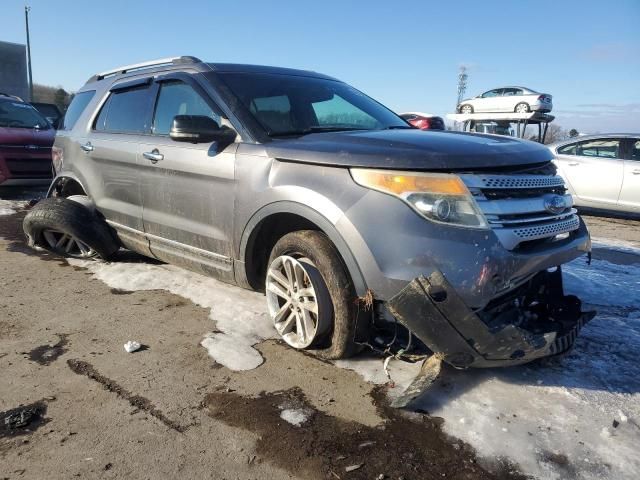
150	64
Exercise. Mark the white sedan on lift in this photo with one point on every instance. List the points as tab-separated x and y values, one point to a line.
601	171
508	99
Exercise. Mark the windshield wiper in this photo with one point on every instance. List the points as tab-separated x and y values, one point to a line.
315	129
399	127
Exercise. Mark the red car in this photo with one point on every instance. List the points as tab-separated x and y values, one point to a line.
26	138
424	121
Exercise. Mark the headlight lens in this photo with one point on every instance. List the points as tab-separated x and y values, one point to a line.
438	197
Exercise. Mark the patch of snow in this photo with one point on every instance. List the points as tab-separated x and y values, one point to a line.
554	421
240	316
10	207
294	416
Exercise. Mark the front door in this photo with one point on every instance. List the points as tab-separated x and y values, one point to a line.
188	190
630	193
594	169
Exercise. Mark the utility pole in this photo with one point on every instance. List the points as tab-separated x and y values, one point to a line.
27	9
462	83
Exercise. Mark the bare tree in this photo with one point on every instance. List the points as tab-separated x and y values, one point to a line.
554	134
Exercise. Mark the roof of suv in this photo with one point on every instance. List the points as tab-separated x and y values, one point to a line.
176	63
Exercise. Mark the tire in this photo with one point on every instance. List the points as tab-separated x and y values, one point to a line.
334	292
519	108
466	109
87	236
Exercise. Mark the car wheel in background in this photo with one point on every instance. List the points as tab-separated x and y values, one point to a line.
310	296
67	228
522	108
466	109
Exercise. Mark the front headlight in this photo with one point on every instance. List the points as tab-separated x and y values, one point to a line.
439	197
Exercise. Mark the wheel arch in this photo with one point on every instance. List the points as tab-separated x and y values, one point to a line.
280	218
65	185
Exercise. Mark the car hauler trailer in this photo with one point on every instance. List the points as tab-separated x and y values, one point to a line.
478	122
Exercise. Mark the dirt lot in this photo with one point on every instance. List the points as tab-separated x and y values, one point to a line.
74	404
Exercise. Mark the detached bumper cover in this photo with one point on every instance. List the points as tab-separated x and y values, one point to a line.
536	320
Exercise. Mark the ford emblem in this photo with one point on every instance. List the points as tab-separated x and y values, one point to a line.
555	204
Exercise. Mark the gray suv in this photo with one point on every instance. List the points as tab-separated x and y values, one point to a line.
360	229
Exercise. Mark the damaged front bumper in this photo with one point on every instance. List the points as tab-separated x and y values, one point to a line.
535	320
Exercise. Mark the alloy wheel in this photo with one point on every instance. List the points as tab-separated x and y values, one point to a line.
298	300
65	244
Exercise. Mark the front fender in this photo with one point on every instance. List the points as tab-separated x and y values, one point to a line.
322	220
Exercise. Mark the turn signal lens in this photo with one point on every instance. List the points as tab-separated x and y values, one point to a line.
438	197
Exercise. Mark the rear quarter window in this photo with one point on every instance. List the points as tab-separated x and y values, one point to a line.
77	106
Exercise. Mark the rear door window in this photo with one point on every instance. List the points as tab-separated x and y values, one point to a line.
178	98
635	150
76	107
125	111
605	148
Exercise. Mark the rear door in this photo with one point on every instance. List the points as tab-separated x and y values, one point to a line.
630	193
188	195
111	150
595	169
510	98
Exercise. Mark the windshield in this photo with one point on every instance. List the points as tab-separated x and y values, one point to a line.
21	115
296	105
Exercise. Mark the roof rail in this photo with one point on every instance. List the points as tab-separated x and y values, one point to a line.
11	96
143	65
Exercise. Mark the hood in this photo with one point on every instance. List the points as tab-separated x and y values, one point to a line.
409	150
27	136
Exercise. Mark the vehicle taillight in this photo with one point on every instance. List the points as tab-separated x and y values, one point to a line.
423	123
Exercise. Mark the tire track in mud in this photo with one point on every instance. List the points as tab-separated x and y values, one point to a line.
406	446
80	367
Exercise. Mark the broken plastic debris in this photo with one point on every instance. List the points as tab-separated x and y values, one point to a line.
131	346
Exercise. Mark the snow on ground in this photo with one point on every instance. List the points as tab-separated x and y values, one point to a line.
9	207
294	416
577	418
239	316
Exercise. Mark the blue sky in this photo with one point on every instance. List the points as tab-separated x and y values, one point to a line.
404	53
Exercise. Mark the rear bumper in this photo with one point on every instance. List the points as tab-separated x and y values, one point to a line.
537	320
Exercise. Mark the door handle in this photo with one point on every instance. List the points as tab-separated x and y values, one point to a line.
636	171
574	164
87	147
154	155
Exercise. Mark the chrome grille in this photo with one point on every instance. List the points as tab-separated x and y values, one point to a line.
519	214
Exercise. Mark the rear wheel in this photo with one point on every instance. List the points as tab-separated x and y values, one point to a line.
67	228
466	109
522	108
310	296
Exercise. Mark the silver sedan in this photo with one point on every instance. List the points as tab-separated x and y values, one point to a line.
507	99
601	171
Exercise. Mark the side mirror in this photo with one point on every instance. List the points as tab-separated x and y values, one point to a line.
195	129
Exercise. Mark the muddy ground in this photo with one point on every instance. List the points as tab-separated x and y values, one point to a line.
74	404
